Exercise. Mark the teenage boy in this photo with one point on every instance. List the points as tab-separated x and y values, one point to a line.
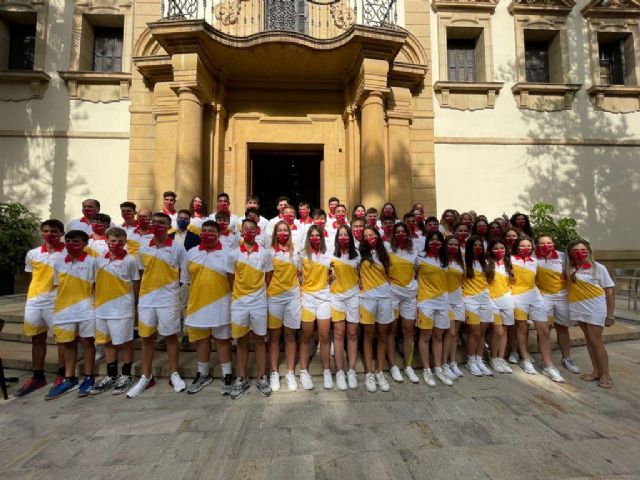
386	232
263	239
371	216
117	287
98	239
142	234
73	313
228	238
417	237
247	267
289	216
205	272
38	311
304	211
90	207
183	236
357	227
283	201
432	225
253	202
128	212
339	219
333	203
159	302
169	206
223	204
320	221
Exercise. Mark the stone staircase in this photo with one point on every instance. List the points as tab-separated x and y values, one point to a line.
15	347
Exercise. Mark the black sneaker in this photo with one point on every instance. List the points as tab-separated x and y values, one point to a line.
239	387
263	386
227	384
104	384
123	382
199	383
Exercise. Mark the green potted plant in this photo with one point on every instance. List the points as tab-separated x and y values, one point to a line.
563	230
18	230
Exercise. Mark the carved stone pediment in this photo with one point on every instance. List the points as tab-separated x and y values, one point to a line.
553	7
612	8
475	5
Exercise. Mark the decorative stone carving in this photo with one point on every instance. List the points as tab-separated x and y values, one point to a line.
482	5
343	16
467	95
612	8
542	6
97	87
228	11
545	97
18	85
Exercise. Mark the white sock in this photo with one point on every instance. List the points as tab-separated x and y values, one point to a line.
203	368
303	371
226	369
326	370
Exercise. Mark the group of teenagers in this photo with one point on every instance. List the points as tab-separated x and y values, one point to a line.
369	282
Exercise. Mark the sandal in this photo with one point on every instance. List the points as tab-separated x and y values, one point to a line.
589	377
605	383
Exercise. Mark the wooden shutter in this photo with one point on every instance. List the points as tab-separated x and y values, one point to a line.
22	47
107	50
537	62
461	60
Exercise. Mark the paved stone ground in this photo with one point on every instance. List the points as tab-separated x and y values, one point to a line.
511	427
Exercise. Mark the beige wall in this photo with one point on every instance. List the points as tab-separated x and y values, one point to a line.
507	158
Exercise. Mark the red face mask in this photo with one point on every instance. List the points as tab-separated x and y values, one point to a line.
289	218
545	249
343	242
98	228
357	234
579	256
332	209
51	238
521	222
223	226
127	216
170	207
223	207
340	218
197	207
208	238
320	224
500	254
510	241
304	213
434	247
74	249
387	229
496	231
387	212
524	252
282	238
315	243
359	214
481	229
144	222
159	229
88	212
449	220
401	238
462	237
372	221
116	248
451	250
478	252
419	218
249	236
372	242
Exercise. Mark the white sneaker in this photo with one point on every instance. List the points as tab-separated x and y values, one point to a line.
177	383
496	364
395	374
305	379
327	379
370	382
570	365
292	383
429	379
341	380
140	386
505	366
381	379
553	373
411	375
483	367
274	381
514	358
455	369
448	372
440	375
352	379
527	366
473	368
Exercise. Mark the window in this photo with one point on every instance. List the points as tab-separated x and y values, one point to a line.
22	47
461	60
543	61
107	50
536	61
612	63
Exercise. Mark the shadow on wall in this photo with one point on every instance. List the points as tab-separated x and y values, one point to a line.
34	169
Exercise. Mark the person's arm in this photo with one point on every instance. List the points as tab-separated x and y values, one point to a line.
611	303
232	278
267	277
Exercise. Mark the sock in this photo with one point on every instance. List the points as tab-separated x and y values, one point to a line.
88	376
38	374
226	369
61	371
126	369
203	368
112	369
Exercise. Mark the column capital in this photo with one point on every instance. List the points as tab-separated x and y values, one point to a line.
399	105
190	72
371	79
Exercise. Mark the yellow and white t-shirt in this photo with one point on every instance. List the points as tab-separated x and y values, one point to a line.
374	279
524	289
499	289
114	286
234	221
81	224
402	272
249	287
284	282
74	298
97	247
432	283
135	239
550	276
205	271
475	291
345	276
315	274
586	294
454	283
160	284
40	263
195	224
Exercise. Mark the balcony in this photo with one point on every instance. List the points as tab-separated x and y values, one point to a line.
320	19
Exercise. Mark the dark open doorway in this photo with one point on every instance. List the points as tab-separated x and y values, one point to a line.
294	173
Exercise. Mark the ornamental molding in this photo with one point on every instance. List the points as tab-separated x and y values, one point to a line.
612	8
542	7
466	5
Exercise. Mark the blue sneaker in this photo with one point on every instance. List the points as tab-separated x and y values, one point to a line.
87	385
65	387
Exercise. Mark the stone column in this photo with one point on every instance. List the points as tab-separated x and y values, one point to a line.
372	167
400	174
188	172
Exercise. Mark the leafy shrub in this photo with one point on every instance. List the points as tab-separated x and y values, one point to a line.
18	230
563	230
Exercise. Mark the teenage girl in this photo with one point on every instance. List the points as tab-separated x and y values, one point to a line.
199	213
448	221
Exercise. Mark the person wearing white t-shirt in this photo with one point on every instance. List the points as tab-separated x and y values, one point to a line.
90	208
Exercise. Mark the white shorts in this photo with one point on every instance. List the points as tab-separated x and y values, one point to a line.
504	317
114	330
590	319
164	320
67	332
315	308
285	312
558	312
37	321
431	317
535	312
345	309
375	310
456	312
404	307
476	313
245	318
222	332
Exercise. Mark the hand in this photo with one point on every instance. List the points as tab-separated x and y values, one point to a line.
609	321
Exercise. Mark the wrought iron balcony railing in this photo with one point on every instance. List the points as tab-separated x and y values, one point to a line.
316	18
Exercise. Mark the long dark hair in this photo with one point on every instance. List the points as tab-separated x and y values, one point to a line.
469	257
474	228
205	209
395	214
352	246
458	257
491	262
307	245
521	239
442	254
527	224
394	246
365	250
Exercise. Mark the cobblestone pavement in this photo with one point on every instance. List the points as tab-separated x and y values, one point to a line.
511	427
